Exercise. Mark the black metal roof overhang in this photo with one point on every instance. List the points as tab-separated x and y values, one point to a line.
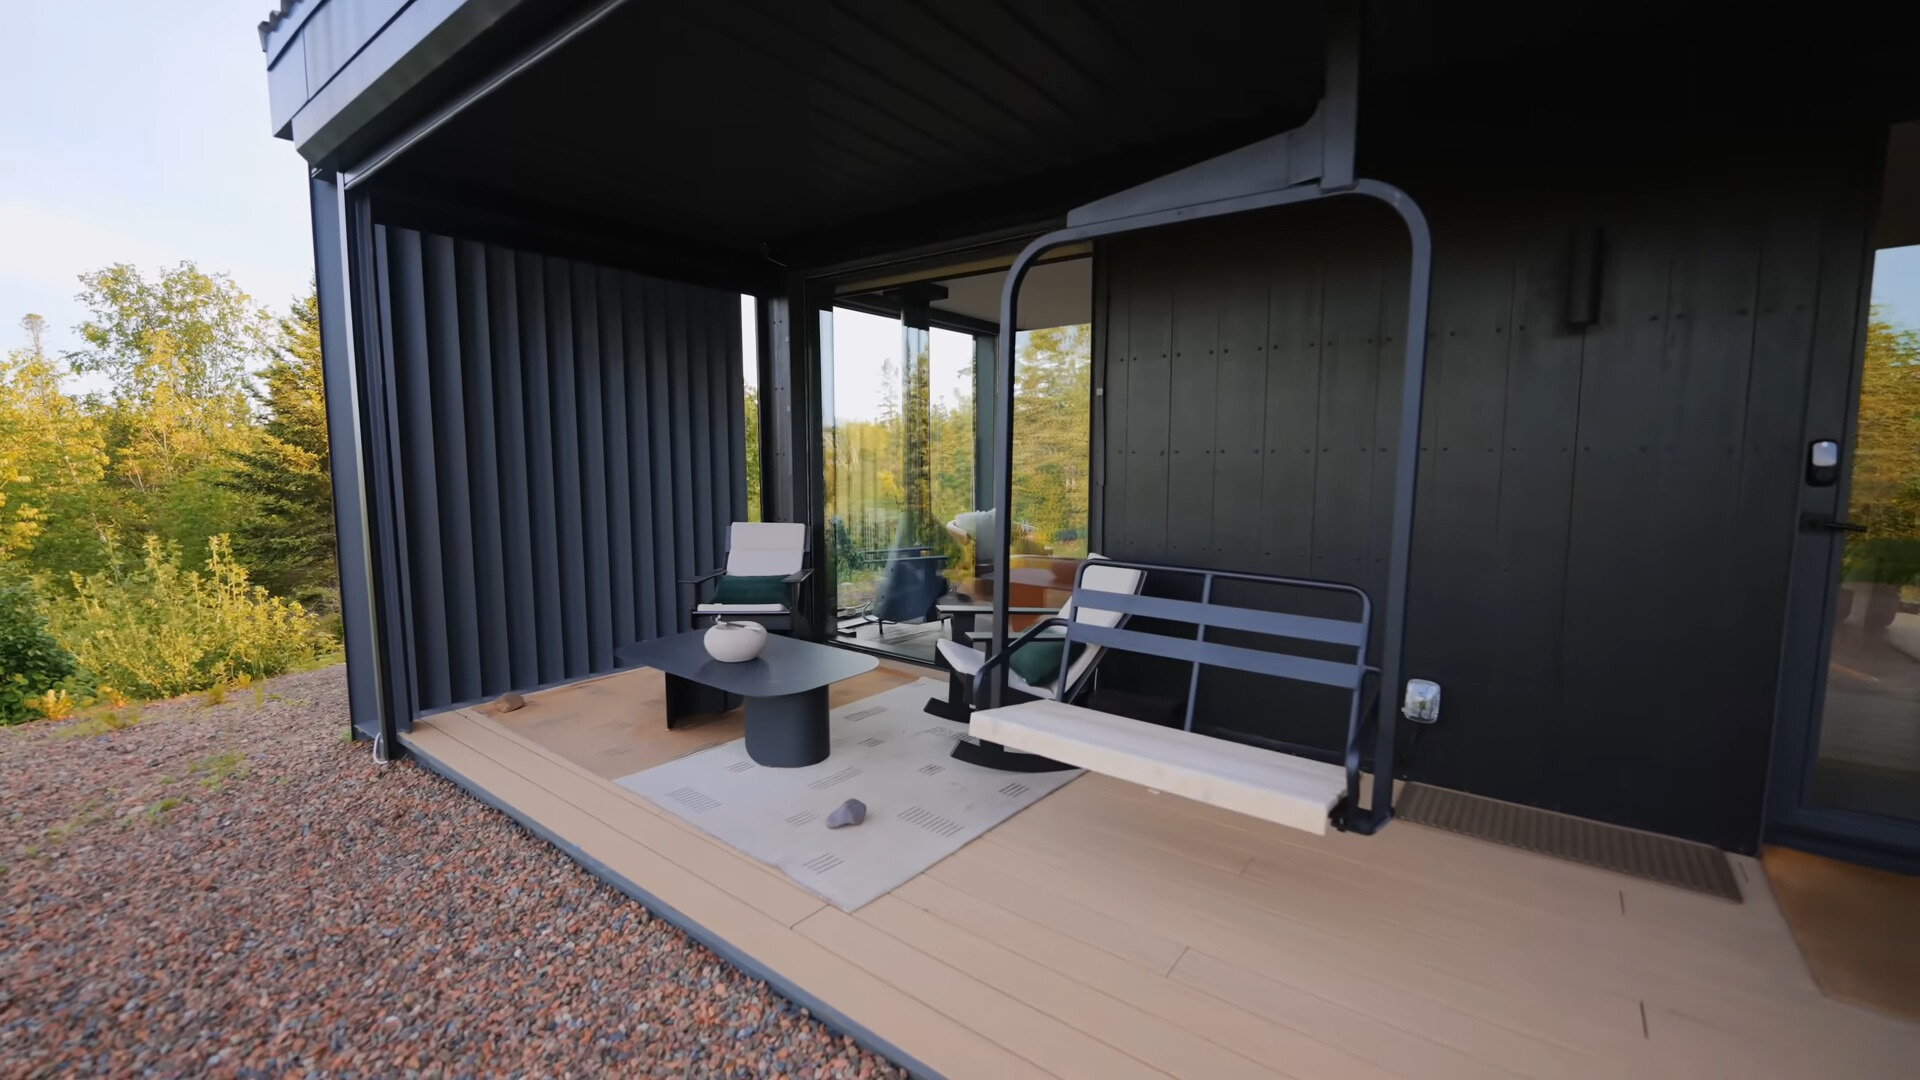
810	133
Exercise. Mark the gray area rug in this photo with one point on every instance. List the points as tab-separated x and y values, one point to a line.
921	804
1610	847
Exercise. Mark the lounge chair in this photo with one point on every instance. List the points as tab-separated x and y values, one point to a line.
766	563
912	586
967	662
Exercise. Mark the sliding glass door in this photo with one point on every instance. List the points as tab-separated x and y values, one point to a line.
908	455
900	471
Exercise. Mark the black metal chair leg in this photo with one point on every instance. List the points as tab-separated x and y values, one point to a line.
990	755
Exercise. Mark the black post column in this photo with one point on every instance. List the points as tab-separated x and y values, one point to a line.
368	699
790	411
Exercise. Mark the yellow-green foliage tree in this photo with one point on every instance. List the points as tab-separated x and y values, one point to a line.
177	352
1885	491
752	452
211	424
156	629
52	461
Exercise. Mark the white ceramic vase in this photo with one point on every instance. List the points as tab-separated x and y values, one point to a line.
735	642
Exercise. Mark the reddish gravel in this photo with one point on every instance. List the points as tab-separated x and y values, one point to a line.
303	912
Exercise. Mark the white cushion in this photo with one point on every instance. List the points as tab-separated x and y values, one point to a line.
1106	579
766	548
756	609
961	656
1287	790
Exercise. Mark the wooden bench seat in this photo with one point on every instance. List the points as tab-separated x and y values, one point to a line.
1287	790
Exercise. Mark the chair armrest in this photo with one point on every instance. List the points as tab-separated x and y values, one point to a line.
708	576
987	609
1031	632
799	575
987	635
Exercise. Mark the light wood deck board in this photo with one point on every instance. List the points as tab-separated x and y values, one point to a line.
1298	930
1059	1048
1525	947
1297	1050
1443	1006
1062	917
760	885
1109	931
1137	1032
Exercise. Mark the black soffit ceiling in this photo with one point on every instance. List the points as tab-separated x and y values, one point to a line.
811	128
809	116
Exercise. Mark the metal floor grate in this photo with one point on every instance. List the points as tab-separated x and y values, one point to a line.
1610	847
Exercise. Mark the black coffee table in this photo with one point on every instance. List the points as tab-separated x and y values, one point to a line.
785	688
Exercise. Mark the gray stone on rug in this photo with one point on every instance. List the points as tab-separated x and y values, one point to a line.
851	812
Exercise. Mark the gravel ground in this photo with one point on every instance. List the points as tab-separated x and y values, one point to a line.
234	890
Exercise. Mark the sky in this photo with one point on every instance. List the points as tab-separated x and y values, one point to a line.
863	344
1896	284
136	131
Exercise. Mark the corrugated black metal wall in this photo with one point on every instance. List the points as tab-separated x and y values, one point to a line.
1605	511
570	444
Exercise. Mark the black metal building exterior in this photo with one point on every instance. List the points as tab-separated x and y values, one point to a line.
1652	230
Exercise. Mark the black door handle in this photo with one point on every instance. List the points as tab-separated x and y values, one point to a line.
1816	521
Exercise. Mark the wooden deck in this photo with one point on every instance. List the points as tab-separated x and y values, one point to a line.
1111	932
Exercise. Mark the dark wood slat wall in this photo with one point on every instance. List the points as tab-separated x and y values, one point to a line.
569	451
1605	512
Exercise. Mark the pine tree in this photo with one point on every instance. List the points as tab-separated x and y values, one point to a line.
287	540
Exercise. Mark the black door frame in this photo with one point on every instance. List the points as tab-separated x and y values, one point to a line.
1832	412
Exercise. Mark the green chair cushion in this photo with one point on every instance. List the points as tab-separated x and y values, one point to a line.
751	590
1038	661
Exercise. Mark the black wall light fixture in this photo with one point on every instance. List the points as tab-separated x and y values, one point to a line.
1586	252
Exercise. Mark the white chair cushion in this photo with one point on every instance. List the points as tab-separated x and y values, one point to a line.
766	548
1106	579
962	657
753	609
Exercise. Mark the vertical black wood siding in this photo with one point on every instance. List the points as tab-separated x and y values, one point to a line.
1604	513
570	442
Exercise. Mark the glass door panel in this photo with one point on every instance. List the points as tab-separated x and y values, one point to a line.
1869	741
899	468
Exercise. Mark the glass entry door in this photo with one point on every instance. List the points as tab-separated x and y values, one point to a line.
1846	757
1867	752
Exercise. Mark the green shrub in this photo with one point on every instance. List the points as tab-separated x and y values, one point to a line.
158	631
32	663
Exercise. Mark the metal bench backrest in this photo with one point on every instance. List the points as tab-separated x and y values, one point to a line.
1205	614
